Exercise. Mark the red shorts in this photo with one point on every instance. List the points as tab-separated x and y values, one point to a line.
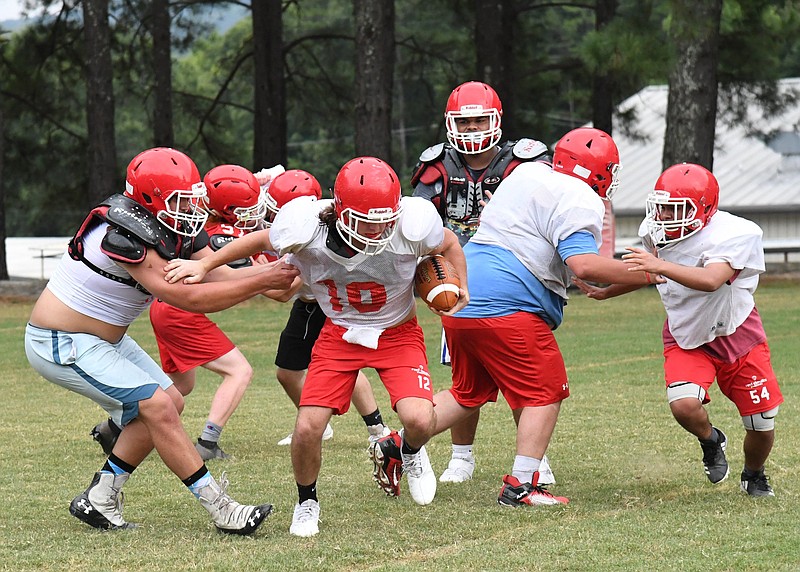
186	340
515	354
400	360
749	382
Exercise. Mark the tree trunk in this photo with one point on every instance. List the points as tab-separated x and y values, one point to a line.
3	258
603	83
692	102
159	22
494	41
99	102
375	57
269	122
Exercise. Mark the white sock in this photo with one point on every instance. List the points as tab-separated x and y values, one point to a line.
462	451
524	467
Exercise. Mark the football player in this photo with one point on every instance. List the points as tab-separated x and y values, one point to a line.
542	223
306	319
459	177
711	261
76	336
358	254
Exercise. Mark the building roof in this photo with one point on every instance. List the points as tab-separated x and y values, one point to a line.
758	167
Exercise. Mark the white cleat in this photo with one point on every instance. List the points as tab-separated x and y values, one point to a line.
305	521
327	435
421	478
458	470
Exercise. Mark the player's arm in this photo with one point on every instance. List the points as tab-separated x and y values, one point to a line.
595	268
704	278
604	293
451	250
206	260
208	297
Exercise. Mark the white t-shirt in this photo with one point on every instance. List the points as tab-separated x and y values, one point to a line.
534	209
374	292
695	317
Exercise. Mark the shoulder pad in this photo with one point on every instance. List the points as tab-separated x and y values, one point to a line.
123	246
129	215
418	219
217	241
432	153
527	149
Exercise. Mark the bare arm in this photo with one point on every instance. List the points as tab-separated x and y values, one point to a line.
605	293
451	250
192	271
705	279
596	268
213	296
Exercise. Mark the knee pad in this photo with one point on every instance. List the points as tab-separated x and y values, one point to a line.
761	421
684	389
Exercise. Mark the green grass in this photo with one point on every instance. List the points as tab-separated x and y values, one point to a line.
639	498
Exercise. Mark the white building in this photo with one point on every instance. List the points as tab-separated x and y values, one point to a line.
758	169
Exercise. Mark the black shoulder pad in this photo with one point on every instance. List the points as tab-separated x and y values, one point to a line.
528	149
122	246
129	215
217	241
432	154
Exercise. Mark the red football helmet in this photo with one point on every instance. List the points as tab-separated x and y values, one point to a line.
167	183
473	99
235	196
590	155
290	185
685	198
366	191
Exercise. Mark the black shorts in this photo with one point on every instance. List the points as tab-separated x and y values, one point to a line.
297	338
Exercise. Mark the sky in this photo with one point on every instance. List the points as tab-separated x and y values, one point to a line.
9	9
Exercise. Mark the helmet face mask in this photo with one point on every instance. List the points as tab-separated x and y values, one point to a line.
167	183
590	155
685	198
289	185
473	100
235	197
367	194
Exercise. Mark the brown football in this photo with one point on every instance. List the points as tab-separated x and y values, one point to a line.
437	282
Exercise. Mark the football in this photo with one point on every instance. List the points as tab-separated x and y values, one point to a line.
437	283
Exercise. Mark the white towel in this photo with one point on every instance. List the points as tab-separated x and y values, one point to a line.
367	337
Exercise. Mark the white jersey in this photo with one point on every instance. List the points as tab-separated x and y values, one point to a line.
362	292
93	295
694	317
534	209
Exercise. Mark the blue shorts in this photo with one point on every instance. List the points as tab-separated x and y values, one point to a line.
115	376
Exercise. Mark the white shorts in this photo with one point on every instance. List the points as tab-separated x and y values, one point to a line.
115	376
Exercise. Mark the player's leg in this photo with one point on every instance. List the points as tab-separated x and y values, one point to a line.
364	401
236	373
689	375
306	463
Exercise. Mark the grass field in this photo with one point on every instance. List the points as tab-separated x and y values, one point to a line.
639	497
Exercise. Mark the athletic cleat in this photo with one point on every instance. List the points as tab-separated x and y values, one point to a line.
458	470
327	435
106	433
210	450
756	484
515	493
421	478
714	462
228	515
377	432
388	463
546	476
305	521
100	505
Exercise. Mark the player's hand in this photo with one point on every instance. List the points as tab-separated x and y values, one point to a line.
591	291
463	300
190	271
265	176
639	260
482	202
278	275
